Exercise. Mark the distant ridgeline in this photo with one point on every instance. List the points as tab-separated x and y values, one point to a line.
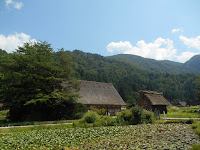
129	74
163	66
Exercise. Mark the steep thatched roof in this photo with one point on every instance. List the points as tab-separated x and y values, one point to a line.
183	104
98	93
155	98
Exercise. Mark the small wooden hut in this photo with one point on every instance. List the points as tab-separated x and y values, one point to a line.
101	95
152	100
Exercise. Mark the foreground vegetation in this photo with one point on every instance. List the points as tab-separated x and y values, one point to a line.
155	136
96	131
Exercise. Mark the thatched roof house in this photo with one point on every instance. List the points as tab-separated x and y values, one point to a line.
152	100
181	104
101	95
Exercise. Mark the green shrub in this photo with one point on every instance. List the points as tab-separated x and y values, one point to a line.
173	109
137	114
124	117
3	113
108	121
100	111
91	117
147	116
190	121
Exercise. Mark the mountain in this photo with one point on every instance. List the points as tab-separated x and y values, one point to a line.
164	66
194	62
129	77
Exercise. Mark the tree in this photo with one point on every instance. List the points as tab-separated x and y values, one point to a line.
198	88
31	83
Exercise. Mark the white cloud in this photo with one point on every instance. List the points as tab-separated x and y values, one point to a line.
160	49
16	5
8	2
11	42
185	56
177	30
191	42
120	46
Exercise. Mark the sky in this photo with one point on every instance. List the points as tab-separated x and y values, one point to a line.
157	29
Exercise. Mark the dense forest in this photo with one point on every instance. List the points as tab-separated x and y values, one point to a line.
128	73
163	66
129	78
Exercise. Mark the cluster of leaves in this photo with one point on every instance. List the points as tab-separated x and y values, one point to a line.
151	136
135	115
93	119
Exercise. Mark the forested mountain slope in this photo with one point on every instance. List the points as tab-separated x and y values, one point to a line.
129	79
194	62
164	66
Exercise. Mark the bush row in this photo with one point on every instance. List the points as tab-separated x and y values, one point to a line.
132	116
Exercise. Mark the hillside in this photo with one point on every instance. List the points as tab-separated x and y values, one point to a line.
130	78
194	62
164	66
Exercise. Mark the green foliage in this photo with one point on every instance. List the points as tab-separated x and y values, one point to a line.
173	109
31	84
3	113
198	88
108	121
164	66
194	62
100	111
147	116
125	117
93	119
137	113
196	127
128	78
90	117
195	147
134	115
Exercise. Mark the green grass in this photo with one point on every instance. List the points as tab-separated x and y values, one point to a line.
185	112
181	115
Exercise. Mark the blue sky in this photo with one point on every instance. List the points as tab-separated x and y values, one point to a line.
158	29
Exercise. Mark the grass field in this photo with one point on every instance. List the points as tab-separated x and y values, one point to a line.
185	112
181	115
155	136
